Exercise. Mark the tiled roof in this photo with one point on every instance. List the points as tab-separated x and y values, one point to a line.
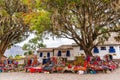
111	40
45	50
65	47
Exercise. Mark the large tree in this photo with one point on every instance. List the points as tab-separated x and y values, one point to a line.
17	20
12	25
87	22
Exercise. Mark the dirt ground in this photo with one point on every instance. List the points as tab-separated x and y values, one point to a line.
115	75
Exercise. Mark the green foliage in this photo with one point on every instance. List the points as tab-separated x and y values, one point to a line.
87	22
10	57
26	47
105	0
18	57
38	18
29	52
25	1
104	30
34	43
25	53
38	4
3	13
41	22
79	60
12	27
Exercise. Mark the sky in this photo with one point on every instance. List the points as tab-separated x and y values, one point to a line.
17	50
50	42
57	42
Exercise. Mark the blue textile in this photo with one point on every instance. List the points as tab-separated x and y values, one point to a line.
44	61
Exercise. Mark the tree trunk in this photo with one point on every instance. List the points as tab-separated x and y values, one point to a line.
2	51
88	52
0	56
3	48
87	49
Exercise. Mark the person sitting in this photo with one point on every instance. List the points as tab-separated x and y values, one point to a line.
48	67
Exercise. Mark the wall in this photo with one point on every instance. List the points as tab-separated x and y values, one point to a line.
44	54
101	53
64	54
77	52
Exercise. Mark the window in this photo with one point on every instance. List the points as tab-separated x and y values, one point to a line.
59	53
111	49
81	48
68	53
103	48
48	54
96	50
41	54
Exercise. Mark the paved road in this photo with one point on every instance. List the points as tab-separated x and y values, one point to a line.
59	76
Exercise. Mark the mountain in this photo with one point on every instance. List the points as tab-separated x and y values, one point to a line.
14	50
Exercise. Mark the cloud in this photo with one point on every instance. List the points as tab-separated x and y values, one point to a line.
57	42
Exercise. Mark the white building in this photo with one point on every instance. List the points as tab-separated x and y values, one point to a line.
70	51
110	47
48	52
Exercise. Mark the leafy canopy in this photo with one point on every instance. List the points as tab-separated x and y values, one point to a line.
87	22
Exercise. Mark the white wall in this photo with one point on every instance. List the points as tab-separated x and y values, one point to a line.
71	55
64	54
116	55
76	52
55	53
102	53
